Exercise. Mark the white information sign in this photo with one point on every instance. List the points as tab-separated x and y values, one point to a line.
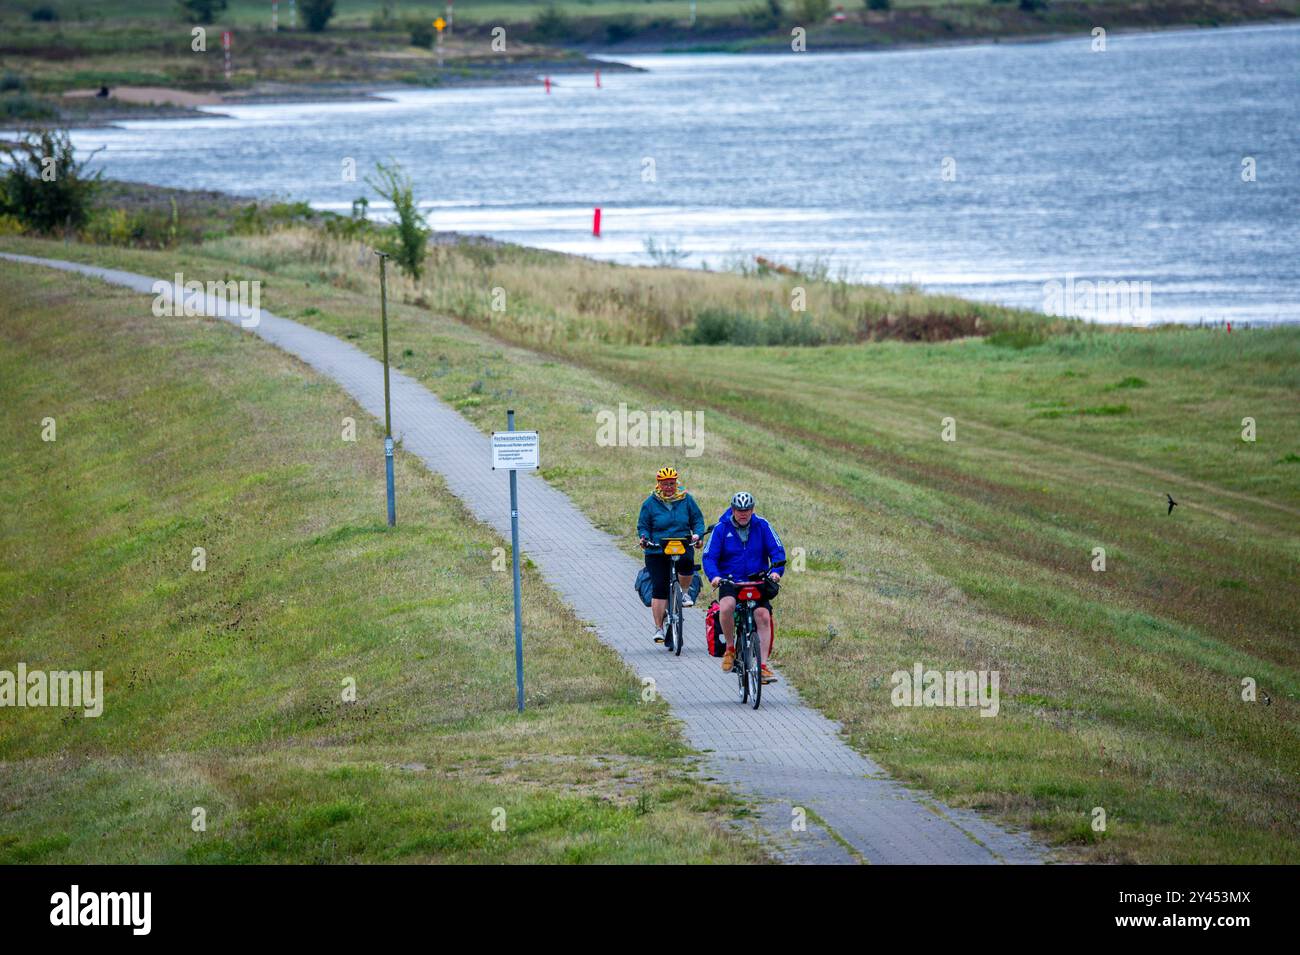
515	451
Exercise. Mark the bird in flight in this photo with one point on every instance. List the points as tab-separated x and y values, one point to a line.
1172	504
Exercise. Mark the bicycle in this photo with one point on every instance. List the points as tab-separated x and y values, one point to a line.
674	629
749	658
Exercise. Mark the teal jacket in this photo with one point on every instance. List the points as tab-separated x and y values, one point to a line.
659	520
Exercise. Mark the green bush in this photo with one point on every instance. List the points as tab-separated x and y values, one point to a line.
421	33
620	28
201	11
720	327
45	14
109	227
260	219
316	13
406	240
813	11
1017	338
44	185
551	25
11	82
878	4
764	16
23	106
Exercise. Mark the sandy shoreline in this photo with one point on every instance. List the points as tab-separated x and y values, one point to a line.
127	103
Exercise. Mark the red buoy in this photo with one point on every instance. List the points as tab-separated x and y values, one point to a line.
548	86
598	79
595	223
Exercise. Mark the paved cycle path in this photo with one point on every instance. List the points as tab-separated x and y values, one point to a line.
785	754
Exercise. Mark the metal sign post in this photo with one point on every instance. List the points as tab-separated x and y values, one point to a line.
388	414
515	451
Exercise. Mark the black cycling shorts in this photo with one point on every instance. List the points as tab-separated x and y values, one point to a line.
661	569
726	589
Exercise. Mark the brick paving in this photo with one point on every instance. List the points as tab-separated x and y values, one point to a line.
783	755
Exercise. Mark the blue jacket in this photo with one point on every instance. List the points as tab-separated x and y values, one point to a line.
659	520
726	556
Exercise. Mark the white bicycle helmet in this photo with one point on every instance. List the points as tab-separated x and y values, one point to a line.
743	501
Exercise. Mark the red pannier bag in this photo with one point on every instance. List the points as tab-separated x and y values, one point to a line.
715	640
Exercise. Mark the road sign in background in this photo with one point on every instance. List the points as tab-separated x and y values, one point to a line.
515	451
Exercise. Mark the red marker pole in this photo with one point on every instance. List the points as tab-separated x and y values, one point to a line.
548	86
598	79
225	43
595	223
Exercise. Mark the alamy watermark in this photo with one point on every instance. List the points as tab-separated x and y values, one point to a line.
922	687
651	429
1099	301
132	909
240	299
78	689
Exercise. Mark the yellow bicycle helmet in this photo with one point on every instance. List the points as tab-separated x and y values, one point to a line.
666	474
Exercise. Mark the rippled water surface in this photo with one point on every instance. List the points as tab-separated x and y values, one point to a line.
1124	165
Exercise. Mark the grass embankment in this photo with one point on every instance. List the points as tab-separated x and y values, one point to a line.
224	687
1120	689
557	300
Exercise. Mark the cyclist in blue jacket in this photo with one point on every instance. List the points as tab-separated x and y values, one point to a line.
743	547
668	512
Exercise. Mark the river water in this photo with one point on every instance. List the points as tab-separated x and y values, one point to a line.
1002	172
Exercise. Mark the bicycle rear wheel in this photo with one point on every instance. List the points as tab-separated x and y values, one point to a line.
680	625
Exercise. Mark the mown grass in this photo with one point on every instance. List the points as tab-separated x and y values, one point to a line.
1121	688
224	687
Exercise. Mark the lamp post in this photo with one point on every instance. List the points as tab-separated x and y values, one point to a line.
388	414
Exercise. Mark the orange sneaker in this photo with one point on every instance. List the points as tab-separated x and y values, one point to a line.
768	675
728	661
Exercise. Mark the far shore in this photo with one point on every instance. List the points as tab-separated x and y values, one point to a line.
83	109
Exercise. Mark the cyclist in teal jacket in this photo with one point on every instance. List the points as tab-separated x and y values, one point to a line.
668	512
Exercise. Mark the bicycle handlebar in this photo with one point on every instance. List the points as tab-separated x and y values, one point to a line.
650	542
732	580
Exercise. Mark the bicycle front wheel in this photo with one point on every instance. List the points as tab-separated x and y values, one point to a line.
755	667
670	617
740	665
